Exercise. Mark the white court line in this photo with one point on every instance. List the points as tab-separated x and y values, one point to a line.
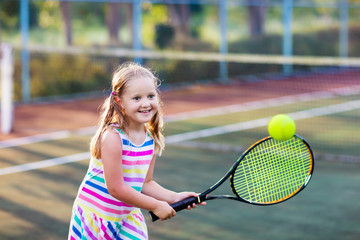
273	102
45	163
314	112
46	137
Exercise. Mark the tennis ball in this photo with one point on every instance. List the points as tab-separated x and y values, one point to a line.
281	127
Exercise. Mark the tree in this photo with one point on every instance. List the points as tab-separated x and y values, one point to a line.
113	22
179	17
66	13
256	16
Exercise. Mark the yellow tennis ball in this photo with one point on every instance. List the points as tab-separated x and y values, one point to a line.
281	127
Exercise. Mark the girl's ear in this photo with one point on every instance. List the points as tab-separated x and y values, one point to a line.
118	101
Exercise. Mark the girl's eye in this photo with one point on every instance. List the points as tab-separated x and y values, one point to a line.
151	96
136	98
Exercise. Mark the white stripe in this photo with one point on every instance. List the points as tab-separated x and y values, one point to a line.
201	56
304	97
34	139
273	102
45	163
321	111
46	137
314	112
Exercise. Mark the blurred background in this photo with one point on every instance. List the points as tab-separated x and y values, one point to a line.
59	44
221	63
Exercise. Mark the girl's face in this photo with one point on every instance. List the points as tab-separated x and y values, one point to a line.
139	100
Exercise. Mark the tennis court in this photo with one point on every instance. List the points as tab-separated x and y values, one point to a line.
207	128
227	67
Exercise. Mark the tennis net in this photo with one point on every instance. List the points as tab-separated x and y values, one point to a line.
321	93
179	68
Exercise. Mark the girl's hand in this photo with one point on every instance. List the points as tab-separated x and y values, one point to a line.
182	195
164	211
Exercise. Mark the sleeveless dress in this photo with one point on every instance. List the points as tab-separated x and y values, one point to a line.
98	215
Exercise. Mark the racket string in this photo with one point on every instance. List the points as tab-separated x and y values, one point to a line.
272	171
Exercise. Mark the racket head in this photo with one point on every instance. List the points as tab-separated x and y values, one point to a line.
272	171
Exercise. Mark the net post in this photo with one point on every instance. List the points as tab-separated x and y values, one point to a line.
7	87
287	33
137	38
25	57
344	29
223	49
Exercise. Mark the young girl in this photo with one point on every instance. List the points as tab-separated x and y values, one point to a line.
119	179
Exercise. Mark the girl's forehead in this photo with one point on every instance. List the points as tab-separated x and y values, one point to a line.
142	82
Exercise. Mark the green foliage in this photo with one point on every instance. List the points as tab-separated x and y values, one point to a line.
152	16
177	73
320	43
354	44
164	35
49	14
9	14
59	74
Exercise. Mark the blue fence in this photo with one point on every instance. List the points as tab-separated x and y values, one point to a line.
223	7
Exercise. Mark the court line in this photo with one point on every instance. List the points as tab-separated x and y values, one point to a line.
314	112
254	105
305	114
46	137
273	102
45	163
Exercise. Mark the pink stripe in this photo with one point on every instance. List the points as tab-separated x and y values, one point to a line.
134	229
130	179
139	217
110	210
140	162
104	199
137	154
103	228
72	238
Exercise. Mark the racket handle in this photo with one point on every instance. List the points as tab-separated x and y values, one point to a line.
178	206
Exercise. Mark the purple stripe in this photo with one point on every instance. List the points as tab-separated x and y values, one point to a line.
134	229
97	170
86	228
130	179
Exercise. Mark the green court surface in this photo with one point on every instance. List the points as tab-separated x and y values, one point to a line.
326	209
36	204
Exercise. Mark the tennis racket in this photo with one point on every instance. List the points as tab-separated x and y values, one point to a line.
268	172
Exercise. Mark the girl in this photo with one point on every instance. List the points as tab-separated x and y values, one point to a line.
119	179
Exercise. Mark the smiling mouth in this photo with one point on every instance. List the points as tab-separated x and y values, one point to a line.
145	111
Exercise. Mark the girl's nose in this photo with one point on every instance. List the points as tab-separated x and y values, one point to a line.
145	102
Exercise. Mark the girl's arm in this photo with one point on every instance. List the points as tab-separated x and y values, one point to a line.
153	189
111	155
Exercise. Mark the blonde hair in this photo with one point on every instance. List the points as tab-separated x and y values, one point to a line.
111	114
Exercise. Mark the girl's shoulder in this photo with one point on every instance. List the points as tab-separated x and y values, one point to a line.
111	139
116	129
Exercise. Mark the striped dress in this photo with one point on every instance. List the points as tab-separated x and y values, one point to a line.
98	215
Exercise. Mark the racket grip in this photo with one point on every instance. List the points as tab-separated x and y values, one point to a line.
178	206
